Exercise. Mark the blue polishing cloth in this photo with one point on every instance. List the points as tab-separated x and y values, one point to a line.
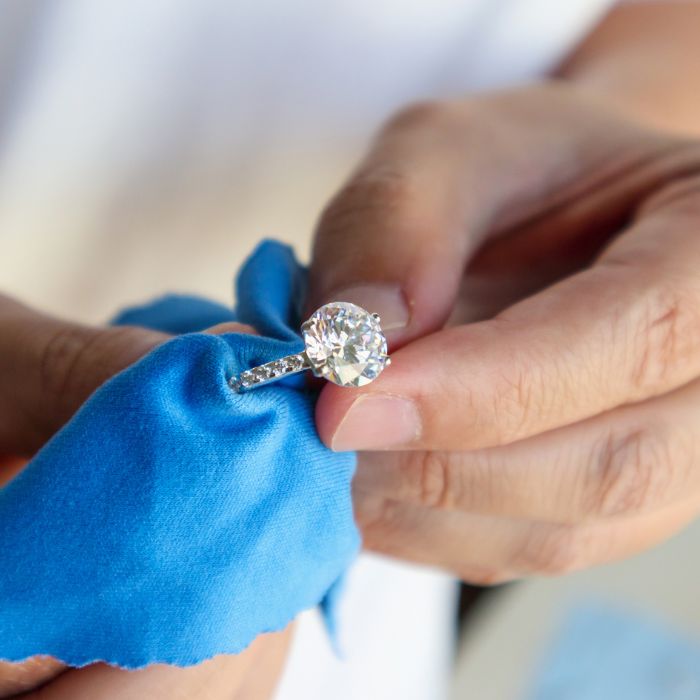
173	519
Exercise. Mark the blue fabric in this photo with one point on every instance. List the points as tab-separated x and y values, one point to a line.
176	314
172	519
604	653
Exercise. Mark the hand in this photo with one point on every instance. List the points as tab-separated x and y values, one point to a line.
535	257
48	369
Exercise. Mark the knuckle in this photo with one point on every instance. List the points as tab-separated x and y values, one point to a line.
665	334
373	194
553	550
518	399
451	480
433	476
59	360
420	114
75	360
635	469
486	578
377	518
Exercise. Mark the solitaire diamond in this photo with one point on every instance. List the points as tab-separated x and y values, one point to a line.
345	344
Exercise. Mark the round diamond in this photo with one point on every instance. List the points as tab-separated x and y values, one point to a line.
345	344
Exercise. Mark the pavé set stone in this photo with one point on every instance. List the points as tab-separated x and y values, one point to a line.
344	344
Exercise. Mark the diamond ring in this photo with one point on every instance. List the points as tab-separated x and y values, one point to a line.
344	344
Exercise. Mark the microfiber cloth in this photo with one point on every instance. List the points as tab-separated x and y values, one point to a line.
173	519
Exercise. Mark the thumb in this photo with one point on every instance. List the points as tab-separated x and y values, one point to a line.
50	367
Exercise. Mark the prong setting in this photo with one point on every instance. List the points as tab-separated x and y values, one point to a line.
345	344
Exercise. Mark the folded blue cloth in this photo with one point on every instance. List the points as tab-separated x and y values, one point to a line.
172	519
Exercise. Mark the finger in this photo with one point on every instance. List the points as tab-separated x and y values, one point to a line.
629	461
486	550
251	674
231	327
441	178
622	331
50	367
26	675
9	467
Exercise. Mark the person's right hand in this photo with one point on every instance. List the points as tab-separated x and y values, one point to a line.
534	255
48	368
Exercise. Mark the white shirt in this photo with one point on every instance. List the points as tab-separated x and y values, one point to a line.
135	137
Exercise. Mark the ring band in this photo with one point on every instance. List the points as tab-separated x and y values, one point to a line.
344	344
270	372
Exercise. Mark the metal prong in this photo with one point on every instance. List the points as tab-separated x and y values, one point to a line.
388	362
376	318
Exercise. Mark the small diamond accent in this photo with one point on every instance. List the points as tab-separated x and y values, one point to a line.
262	374
345	344
296	363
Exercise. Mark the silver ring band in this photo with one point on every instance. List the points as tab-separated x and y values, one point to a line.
344	344
270	372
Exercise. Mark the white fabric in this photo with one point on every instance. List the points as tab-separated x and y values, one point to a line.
396	638
120	120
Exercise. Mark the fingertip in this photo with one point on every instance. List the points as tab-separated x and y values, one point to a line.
388	301
377	417
10	466
24	676
231	327
332	405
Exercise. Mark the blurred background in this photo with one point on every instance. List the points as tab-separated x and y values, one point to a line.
625	630
146	148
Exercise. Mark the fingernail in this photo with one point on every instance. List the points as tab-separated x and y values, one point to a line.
387	300
378	421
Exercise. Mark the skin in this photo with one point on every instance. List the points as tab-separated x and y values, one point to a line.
536	253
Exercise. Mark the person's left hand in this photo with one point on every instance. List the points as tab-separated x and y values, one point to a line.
562	429
48	368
